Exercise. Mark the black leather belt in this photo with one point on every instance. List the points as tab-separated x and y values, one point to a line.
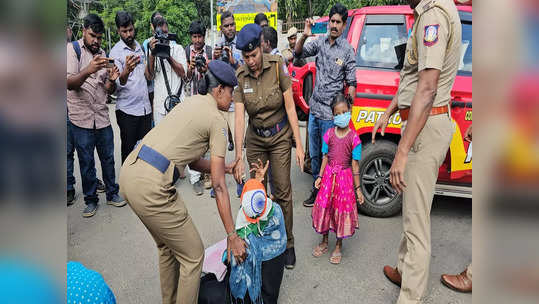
157	160
269	132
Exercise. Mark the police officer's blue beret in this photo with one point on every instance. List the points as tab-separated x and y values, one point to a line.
249	37
223	72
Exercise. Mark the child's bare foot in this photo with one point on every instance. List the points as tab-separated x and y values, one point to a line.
336	255
320	250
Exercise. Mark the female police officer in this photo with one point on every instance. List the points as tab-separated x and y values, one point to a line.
264	91
148	176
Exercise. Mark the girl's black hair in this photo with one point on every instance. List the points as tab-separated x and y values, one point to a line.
340	98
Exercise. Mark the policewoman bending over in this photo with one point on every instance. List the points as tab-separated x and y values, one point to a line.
149	173
264	90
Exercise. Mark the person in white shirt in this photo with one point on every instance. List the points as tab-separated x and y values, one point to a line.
175	67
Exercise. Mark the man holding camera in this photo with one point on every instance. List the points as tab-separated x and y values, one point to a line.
89	79
227	51
146	48
133	108
198	54
174	68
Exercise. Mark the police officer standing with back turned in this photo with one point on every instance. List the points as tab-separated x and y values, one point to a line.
431	63
150	171
264	91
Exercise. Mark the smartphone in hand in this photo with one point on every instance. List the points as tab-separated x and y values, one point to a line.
110	63
319	28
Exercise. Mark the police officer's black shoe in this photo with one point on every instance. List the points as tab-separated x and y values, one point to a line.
90	209
310	201
290	258
100	186
70	197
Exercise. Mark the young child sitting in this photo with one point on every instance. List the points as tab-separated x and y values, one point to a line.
260	223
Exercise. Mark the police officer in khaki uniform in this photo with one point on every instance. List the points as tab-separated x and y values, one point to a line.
149	173
432	59
264	90
292	36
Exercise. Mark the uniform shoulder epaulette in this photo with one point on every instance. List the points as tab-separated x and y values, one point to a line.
429	5
273	58
240	70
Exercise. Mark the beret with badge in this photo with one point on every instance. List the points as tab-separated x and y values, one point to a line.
249	37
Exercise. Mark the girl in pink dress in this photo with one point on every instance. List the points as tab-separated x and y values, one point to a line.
335	207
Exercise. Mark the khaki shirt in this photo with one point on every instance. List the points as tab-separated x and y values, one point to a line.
87	106
262	96
288	53
186	133
435	43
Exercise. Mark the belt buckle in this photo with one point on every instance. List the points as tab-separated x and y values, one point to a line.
267	133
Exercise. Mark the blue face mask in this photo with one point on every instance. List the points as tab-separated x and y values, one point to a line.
342	120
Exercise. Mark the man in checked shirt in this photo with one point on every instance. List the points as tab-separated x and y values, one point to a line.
335	66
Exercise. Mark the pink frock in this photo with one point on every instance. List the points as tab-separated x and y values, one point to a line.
335	206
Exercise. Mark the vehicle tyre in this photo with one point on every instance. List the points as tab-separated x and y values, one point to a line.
381	200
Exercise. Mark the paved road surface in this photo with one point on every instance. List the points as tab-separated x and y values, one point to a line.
115	243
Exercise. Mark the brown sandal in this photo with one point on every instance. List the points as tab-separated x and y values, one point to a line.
318	251
335	258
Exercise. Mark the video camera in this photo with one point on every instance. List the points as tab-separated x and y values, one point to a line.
224	54
162	47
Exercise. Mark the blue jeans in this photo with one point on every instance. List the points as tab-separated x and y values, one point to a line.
70	157
317	129
88	140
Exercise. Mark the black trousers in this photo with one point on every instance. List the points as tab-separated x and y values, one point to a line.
213	292
132	129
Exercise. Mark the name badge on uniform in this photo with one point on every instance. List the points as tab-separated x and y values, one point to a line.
247	88
431	35
339	61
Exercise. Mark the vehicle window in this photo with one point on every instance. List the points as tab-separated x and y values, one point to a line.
376	47
347	28
465	65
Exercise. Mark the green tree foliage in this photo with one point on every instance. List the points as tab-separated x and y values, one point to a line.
299	9
180	13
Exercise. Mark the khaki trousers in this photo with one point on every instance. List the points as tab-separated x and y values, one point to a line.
276	149
153	197
424	159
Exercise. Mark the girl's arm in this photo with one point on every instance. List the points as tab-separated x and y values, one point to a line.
357	183
355	171
322	167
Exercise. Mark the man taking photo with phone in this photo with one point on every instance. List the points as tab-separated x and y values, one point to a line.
88	82
335	66
133	109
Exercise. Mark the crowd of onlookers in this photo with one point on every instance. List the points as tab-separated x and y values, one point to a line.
136	81
147	79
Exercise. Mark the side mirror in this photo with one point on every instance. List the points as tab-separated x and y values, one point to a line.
400	51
